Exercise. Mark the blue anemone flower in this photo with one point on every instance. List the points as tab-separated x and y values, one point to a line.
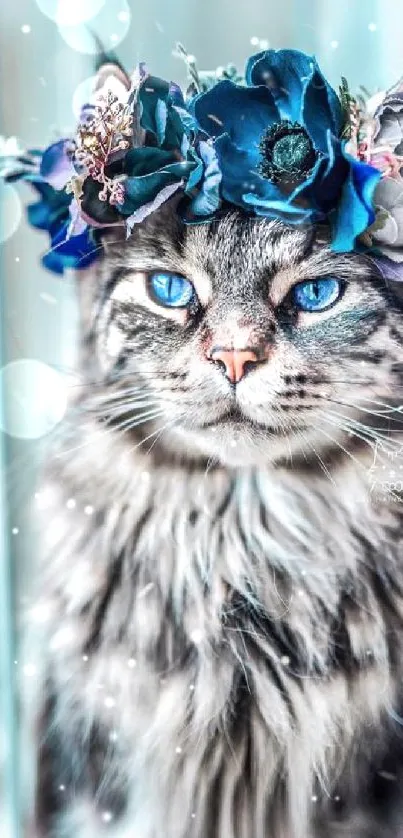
278	146
52	213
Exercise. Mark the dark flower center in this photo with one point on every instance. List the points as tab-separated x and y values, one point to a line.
287	152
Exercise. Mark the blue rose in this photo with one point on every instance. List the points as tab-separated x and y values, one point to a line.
278	146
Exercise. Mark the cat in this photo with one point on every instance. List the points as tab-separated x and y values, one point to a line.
223	578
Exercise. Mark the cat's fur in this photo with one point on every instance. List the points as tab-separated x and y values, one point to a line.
223	645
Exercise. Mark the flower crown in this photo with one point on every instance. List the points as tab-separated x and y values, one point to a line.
278	142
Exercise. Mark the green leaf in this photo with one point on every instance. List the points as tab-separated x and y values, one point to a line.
347	102
380	221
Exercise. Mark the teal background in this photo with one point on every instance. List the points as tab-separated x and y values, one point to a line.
360	39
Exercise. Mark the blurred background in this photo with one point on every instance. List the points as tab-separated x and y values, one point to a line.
47	61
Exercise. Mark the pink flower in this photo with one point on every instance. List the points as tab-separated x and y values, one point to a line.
386	162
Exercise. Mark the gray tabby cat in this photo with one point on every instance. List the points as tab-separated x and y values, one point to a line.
224	585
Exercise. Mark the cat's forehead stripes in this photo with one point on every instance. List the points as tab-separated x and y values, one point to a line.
237	252
250	257
233	256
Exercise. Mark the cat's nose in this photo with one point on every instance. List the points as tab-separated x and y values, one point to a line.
234	362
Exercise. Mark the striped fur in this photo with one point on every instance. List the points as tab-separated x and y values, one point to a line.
223	645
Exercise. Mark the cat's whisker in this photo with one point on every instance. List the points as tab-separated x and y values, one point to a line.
346	424
124	405
338	444
125	391
210	464
115	378
102	415
113	398
300	434
330	381
159	432
127	398
320	461
357	430
387	407
100	433
142	390
135	421
359	407
385	413
370	430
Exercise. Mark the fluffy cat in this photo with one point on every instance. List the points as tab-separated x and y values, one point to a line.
223	578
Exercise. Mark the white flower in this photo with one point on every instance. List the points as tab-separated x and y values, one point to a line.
10	147
14	158
388	116
374	102
386	154
388	201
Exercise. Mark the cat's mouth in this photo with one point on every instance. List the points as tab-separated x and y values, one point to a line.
236	418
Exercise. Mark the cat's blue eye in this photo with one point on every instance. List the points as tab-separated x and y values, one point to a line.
317	294
171	290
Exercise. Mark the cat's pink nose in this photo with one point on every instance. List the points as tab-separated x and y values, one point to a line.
234	362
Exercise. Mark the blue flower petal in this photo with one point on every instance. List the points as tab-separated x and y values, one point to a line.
197	174
176	95
56	167
242	113
76	252
157	113
188	120
299	89
239	175
281	208
52	214
144	189
80	247
52	207
54	197
38	215
242	185
321	109
322	186
208	200
354	211
52	262
284	72
147	160
161	116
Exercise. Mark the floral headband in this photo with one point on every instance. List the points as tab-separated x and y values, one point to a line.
278	142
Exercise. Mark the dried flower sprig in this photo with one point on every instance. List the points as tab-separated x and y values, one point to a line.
100	140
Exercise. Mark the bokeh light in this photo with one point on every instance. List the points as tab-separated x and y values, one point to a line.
110	25
82	95
10	210
34	398
70	12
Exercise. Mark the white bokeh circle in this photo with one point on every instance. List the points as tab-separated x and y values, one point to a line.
110	26
82	95
33	398
70	12
10	211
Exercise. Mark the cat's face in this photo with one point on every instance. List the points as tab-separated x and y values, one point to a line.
242	341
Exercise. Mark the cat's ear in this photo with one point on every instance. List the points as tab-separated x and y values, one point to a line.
108	68
112	76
